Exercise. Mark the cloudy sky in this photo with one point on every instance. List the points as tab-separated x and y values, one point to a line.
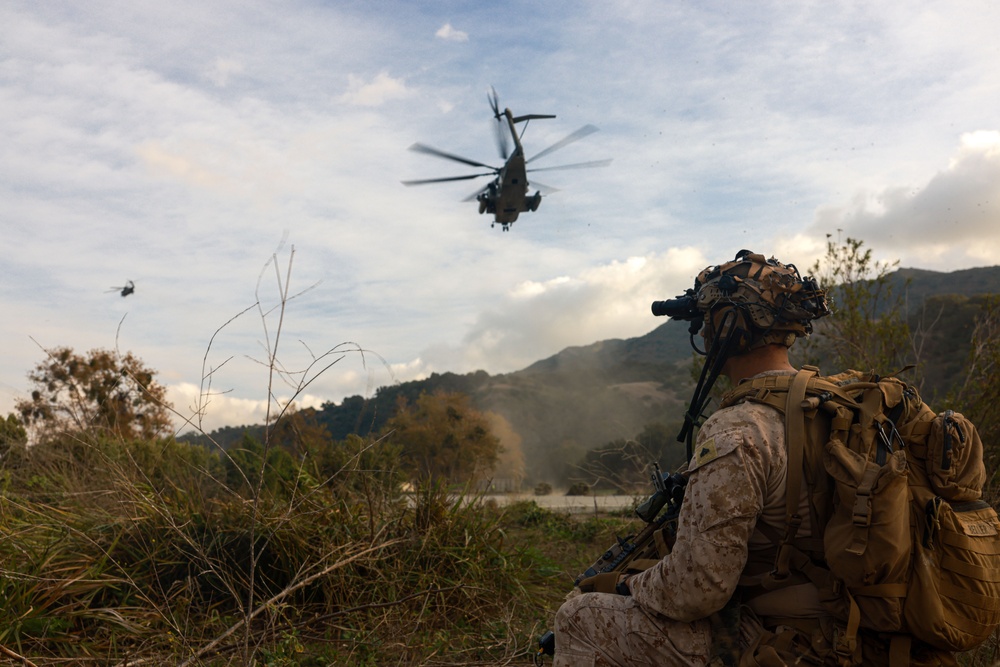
218	153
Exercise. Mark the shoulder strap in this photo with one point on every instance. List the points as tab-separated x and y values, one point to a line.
769	390
795	442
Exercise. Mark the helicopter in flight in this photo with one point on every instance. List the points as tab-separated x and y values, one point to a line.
126	289
507	195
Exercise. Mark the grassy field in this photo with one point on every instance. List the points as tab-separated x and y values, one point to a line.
160	554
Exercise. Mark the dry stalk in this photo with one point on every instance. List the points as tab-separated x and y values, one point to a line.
14	656
284	593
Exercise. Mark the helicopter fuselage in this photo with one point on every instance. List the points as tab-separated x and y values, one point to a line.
507	196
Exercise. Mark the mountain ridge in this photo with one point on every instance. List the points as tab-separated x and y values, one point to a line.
586	396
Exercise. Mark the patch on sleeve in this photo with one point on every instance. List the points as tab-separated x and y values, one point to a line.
707	451
715	445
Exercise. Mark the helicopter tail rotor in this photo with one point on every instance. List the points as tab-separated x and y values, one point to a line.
499	128
494	101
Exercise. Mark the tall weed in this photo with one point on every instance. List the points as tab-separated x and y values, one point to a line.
275	552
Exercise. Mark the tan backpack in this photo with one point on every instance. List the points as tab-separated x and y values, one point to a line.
909	549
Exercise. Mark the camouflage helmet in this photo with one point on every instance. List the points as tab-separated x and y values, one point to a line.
759	301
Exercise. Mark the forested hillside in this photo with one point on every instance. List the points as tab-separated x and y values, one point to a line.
589	396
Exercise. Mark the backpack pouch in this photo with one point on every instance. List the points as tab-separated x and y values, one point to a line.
867	540
955	466
954	599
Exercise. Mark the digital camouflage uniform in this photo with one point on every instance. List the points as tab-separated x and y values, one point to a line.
737	478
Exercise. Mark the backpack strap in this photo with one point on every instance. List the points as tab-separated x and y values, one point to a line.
899	650
789	396
795	443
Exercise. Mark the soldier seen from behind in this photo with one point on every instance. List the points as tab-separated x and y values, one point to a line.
746	580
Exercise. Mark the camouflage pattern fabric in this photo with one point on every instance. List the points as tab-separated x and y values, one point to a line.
737	478
606	629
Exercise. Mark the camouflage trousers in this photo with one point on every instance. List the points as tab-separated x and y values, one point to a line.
604	629
611	630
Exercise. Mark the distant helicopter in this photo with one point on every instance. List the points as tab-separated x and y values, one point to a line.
126	289
506	196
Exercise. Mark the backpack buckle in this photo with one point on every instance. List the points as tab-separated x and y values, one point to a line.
844	647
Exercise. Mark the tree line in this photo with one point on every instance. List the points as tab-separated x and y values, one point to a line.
104	396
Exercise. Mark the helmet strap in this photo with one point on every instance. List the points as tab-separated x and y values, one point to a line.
696	326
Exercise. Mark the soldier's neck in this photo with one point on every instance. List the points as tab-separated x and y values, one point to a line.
763	359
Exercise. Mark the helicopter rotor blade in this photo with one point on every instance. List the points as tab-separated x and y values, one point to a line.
576	165
429	150
541	187
475	195
424	181
494	100
584	131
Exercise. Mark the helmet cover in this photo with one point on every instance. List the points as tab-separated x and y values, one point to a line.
771	302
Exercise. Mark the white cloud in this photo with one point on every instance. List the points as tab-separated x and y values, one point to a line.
985	142
802	250
409	370
215	410
537	319
222	69
163	161
953	217
449	33
379	90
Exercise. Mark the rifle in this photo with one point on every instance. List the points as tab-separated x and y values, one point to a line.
661	524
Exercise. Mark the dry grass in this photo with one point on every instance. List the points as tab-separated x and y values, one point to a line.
134	570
